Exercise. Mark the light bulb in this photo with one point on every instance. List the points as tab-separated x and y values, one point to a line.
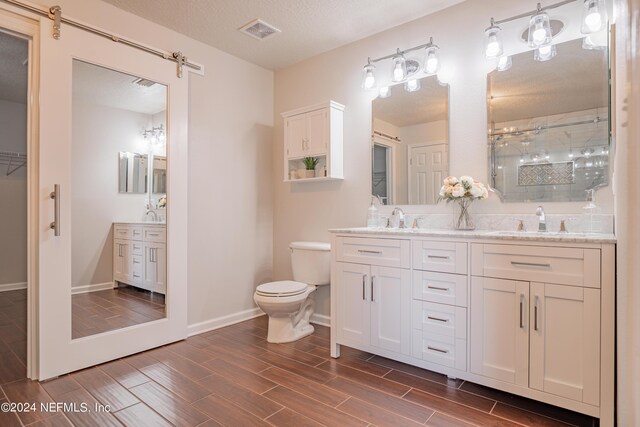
593	21
368	78
539	30
385	92
504	63
545	53
412	85
431	64
539	34
399	68
594	15
493	48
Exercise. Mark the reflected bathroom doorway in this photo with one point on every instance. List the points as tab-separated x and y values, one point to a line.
14	78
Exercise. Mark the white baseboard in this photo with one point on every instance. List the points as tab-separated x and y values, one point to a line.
321	319
13	286
220	322
91	288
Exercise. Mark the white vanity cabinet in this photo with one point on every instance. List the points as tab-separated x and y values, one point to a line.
139	256
376	291
530	317
314	131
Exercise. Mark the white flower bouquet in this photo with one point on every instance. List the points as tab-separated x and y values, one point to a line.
463	191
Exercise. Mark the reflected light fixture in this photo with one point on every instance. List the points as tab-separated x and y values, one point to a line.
431	62
412	85
594	16
384	92
494	41
539	29
155	135
399	71
545	53
368	76
504	63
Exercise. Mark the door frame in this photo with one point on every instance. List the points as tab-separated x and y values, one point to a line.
21	24
391	166
410	147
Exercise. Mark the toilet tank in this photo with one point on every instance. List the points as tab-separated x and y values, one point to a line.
311	262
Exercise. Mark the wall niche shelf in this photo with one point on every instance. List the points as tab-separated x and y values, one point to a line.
314	131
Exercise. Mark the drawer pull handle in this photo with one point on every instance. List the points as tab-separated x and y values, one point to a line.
364	251
437	257
364	279
153	234
438	288
136	262
530	264
535	315
521	310
373	278
439	319
439	350
136	275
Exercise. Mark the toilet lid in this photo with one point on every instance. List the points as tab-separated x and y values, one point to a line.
283	288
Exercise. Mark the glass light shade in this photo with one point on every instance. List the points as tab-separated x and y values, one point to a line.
504	63
368	77
412	85
432	62
494	42
545	53
594	16
399	68
539	30
384	92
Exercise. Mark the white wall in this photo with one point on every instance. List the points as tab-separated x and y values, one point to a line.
307	211
13	196
230	125
99	134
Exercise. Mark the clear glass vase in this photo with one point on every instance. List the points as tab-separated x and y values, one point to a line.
462	217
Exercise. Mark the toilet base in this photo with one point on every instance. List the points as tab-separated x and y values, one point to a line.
281	330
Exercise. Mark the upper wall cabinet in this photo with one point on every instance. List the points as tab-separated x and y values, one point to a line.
313	142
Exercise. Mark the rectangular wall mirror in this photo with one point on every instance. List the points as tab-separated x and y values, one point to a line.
549	125
410	143
118	242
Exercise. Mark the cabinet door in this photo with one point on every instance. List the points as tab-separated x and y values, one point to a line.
317	132
565	341
296	136
121	260
353	307
499	329
155	267
390	297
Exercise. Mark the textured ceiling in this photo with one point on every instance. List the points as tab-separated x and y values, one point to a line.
115	89
575	80
309	27
402	108
13	71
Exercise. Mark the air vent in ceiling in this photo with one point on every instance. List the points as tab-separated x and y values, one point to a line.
144	82
258	29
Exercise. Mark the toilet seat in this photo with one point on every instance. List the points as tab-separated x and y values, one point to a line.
284	288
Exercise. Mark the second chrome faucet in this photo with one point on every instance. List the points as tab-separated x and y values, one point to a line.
542	221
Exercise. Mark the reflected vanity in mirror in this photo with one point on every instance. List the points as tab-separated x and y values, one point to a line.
549	125
410	143
119	255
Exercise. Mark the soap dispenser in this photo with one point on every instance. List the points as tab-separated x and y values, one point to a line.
372	214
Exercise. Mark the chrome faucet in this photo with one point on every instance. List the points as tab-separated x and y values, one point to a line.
542	221
153	213
399	214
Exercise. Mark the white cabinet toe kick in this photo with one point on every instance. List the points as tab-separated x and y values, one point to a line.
530	318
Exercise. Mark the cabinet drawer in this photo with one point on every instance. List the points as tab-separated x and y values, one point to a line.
564	266
122	232
440	349
382	252
137	248
136	233
440	319
137	267
155	234
444	257
442	288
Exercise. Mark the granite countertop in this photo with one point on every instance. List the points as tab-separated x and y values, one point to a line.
484	234
141	222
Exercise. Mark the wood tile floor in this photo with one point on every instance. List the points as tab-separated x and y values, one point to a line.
102	311
233	377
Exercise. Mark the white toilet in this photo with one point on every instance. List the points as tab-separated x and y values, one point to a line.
288	303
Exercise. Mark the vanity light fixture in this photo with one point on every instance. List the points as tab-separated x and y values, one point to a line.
545	53
504	63
155	134
594	16
403	69
494	41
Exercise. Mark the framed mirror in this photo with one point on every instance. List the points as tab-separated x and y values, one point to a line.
549	125
118	252
132	172
410	143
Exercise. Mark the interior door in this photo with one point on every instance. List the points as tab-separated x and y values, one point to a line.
61	168
429	165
